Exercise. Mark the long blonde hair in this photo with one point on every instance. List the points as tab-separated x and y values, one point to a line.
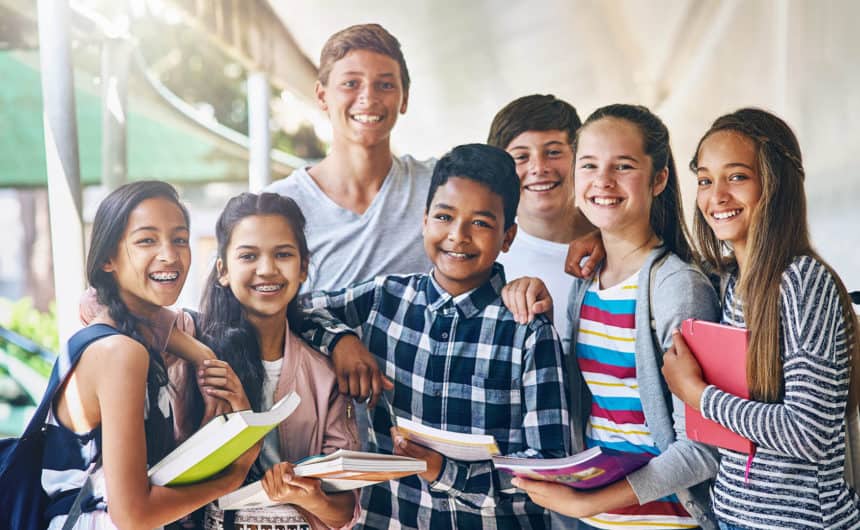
778	233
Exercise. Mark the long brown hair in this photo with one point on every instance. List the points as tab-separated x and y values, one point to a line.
778	233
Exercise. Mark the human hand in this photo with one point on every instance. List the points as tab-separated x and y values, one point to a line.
527	297
682	372
357	371
404	447
282	486
590	245
213	406
557	497
217	379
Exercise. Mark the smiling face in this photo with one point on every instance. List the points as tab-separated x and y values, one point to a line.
153	256
263	267
613	180
543	160
363	97
464	231
729	186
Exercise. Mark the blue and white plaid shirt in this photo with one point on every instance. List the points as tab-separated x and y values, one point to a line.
461	364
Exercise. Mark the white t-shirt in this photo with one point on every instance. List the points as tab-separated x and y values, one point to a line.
532	256
270	454
347	248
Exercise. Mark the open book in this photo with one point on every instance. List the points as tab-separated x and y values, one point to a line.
340	471
722	353
592	468
218	443
456	445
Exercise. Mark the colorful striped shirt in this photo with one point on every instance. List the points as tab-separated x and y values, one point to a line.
606	352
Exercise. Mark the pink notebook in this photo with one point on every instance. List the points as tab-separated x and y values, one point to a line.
722	353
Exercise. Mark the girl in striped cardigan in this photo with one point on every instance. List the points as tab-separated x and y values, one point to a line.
803	349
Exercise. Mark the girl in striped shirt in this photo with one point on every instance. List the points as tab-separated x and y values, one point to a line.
803	349
626	185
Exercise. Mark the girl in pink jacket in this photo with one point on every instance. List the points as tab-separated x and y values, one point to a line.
262	262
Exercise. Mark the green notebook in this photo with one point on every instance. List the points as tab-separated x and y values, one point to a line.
218	443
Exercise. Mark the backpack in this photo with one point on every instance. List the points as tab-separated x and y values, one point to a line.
21	494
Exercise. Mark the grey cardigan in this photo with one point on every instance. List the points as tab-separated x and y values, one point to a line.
681	291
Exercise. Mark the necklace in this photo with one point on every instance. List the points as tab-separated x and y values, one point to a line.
630	262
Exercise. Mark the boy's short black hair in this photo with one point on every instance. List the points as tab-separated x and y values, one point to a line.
533	113
482	163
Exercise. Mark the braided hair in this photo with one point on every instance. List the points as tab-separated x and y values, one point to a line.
778	233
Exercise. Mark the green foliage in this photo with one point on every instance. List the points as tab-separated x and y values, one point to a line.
21	317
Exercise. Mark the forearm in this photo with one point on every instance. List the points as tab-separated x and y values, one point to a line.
800	427
188	348
323	331
470	482
617	495
160	505
330	314
682	465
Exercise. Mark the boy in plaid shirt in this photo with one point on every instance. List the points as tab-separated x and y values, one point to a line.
458	359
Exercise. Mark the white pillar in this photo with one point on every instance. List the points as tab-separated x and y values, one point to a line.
259	166
115	66
61	157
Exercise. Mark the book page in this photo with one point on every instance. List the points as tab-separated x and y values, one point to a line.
459	446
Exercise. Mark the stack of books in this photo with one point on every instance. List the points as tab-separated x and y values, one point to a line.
339	471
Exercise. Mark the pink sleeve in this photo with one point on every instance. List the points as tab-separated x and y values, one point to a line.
89	306
180	372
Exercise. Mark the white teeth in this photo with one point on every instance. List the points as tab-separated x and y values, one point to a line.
604	201
367	118
268	288
164	276
726	215
541	187
457	255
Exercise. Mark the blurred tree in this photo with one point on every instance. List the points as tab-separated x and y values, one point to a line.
207	78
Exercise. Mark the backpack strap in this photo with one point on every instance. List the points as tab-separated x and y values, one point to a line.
85	491
63	366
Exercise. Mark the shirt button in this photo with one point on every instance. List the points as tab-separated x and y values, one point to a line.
444	334
437	393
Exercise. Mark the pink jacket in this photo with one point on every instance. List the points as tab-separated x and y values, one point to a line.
323	422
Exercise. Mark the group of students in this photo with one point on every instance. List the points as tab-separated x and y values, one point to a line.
321	286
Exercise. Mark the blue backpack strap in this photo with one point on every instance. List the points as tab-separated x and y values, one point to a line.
22	498
63	366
